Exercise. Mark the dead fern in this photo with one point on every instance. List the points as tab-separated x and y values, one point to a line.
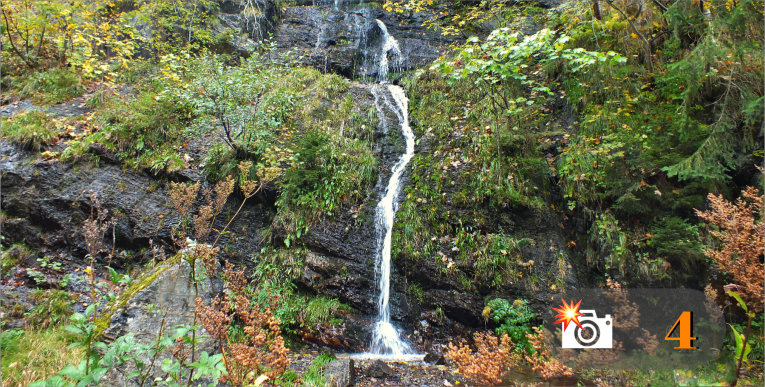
262	350
490	361
738	229
542	362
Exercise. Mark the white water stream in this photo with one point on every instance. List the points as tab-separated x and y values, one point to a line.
386	342
389	46
385	339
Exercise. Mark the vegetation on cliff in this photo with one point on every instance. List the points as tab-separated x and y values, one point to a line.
616	143
615	120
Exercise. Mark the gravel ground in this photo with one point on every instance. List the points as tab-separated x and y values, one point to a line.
370	373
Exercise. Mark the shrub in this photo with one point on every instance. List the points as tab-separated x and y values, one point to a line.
142	129
738	228
327	172
322	310
542	362
490	361
261	350
514	320
677	242
314	377
31	130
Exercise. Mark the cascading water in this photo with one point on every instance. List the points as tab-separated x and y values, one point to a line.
389	47
385	339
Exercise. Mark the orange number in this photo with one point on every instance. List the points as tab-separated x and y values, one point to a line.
686	330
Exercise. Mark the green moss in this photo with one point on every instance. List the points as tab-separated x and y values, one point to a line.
13	255
138	284
416	293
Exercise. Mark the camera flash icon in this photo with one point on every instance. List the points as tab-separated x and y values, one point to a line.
587	330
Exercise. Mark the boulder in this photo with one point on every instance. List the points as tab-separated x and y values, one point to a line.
434	358
164	299
339	373
379	370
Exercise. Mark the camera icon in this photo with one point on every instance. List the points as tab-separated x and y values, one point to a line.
594	333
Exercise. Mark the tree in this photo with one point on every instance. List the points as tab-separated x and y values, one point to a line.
84	35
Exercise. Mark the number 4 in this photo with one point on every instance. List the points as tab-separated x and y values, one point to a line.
686	330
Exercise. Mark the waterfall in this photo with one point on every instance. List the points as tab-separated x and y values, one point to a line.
385	339
389	46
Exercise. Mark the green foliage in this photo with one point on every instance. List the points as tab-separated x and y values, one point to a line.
35	354
755	346
327	173
12	256
501	58
52	307
90	37
143	130
415	291
315	374
677	241
322	310
51	86
496	255
649	144
515	319
31	129
726	54
235	97
274	273
178	25
287	379
458	18
126	352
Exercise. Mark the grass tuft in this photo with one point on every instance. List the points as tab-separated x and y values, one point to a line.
30	355
31	130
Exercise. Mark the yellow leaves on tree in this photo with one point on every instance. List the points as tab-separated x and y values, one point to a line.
489	363
738	228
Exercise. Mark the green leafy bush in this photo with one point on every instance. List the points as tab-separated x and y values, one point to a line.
677	241
315	374
322	310
515	319
144	131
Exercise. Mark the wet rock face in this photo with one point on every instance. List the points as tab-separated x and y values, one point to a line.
341	260
46	202
255	18
170	297
347	39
